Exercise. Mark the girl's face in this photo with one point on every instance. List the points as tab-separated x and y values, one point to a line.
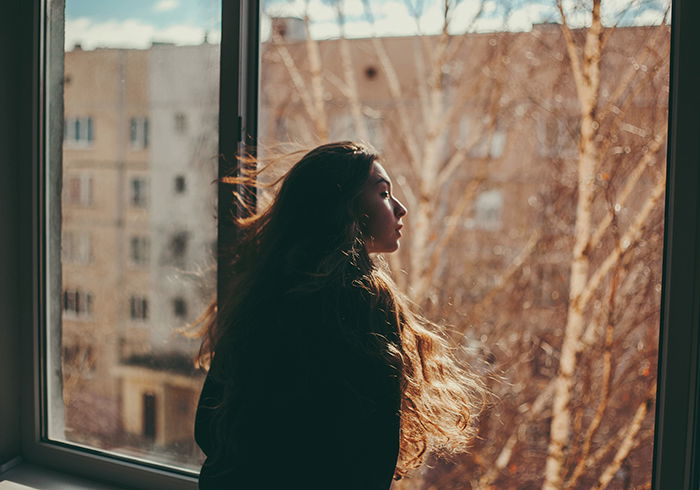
382	212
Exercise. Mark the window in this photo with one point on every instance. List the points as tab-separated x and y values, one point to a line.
139	250
138	308
179	307
461	130
139	192
487	213
148	213
180	122
178	245
138	133
79	190
557	135
78	131
149	416
672	366
180	184
79	359
483	140
77	303
344	127
76	247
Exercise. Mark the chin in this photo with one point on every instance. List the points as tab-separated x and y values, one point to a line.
392	248
385	248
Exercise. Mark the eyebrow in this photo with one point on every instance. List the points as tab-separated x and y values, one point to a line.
382	179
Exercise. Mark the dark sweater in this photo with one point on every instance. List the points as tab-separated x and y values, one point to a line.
322	412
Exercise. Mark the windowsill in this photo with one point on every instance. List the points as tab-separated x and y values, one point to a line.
29	476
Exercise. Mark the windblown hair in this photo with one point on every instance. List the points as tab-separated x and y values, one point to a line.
310	239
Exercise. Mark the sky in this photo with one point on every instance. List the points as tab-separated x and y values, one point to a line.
138	23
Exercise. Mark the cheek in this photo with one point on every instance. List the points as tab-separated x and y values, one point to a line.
381	221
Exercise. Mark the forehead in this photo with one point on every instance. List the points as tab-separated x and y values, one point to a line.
378	172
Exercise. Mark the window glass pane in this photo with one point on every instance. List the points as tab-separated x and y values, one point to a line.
137	262
528	145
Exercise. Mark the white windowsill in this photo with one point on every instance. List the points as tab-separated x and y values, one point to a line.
27	476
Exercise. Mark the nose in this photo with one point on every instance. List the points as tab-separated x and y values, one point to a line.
399	209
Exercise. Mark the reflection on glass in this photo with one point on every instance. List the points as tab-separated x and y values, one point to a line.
139	159
529	144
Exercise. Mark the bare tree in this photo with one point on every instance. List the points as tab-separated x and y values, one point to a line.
557	303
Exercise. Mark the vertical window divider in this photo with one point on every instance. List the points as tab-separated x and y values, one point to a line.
238	107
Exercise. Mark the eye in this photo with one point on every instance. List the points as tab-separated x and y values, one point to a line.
384	194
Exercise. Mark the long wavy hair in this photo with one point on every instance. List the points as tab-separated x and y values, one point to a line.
310	239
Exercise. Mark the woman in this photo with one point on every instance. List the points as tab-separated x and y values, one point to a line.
321	375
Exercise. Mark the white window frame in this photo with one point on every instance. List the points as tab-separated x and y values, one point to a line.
677	435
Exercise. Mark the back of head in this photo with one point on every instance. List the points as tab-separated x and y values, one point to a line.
312	228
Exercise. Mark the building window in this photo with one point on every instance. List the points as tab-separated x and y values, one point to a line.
487	211
556	136
180	122
139	192
180	184
139	250
138	308
77	303
78	191
343	127
138	133
371	72
179	307
76	247
488	142
552	284
178	245
79	359
78	131
149	415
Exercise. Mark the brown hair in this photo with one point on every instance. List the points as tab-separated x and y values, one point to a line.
297	246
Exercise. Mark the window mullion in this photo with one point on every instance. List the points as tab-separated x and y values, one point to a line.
238	89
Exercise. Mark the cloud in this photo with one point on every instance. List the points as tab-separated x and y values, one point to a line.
165	5
392	18
130	33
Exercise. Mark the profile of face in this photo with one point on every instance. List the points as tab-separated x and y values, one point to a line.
381	212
